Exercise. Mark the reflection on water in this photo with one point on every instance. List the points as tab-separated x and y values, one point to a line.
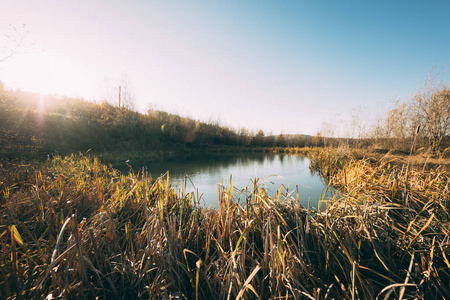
206	172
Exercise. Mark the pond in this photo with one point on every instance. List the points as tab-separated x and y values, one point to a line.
204	173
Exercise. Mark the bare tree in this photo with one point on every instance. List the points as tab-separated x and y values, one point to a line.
118	92
11	42
127	95
432	113
429	110
397	125
327	132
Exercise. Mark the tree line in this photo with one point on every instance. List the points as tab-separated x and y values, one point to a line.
33	125
425	118
421	122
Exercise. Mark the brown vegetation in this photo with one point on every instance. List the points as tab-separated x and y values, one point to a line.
36	126
75	228
425	118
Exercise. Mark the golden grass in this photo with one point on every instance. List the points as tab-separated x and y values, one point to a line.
75	228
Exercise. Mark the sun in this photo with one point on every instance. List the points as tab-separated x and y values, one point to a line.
49	73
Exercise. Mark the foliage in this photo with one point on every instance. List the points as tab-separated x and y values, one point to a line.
425	117
431	111
74	228
33	125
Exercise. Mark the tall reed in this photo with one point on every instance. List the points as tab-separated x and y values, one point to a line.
73	227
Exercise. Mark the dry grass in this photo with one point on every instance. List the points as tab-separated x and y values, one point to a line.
74	228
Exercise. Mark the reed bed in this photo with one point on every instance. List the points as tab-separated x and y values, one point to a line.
73	227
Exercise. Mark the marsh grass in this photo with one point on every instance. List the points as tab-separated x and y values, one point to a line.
74	228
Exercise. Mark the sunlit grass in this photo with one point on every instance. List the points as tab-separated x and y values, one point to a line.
72	227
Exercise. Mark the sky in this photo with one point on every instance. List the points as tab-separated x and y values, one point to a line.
281	66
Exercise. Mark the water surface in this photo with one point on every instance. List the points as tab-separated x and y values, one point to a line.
206	172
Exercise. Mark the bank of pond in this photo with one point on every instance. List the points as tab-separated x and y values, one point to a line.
74	227
206	175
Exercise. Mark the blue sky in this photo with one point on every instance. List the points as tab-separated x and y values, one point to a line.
280	66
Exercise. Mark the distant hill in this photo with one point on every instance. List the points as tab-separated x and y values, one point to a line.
31	125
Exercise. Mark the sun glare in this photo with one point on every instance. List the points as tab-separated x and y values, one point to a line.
41	103
46	73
